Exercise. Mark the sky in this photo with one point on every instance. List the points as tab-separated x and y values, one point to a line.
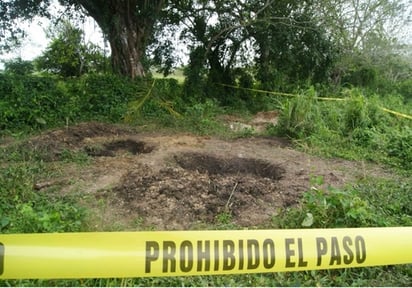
36	41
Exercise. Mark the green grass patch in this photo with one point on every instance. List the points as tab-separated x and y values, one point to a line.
356	129
369	203
24	210
177	75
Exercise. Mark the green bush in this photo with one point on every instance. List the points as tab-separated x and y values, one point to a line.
200	118
371	203
103	96
300	116
30	101
161	102
68	56
405	89
361	76
399	146
356	113
157	100
36	102
22	210
356	128
19	66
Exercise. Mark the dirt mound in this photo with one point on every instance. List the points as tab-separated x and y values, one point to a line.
219	166
187	181
112	148
203	187
50	145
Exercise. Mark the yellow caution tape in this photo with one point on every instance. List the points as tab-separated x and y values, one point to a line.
184	253
331	99
259	91
396	113
281	93
318	98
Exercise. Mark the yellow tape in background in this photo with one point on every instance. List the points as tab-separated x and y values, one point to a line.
183	253
396	113
318	98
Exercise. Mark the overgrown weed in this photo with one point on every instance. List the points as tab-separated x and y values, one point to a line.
357	128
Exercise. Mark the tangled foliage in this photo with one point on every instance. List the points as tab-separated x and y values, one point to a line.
355	128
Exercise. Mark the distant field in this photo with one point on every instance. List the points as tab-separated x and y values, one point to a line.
177	74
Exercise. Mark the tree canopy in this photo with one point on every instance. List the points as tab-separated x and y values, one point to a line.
286	39
126	24
67	55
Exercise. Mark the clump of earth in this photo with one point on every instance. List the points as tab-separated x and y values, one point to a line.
180	181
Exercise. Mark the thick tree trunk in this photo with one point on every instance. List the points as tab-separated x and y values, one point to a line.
127	43
128	24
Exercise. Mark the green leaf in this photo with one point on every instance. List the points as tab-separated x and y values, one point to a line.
308	221
4	222
40	121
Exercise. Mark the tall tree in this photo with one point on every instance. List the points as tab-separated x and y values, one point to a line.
215	37
127	24
291	46
364	30
67	55
282	34
352	23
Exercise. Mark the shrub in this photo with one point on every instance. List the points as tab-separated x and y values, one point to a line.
400	147
30	101
405	89
34	102
300	116
372	203
24	211
361	76
68	56
155	99
19	66
103	96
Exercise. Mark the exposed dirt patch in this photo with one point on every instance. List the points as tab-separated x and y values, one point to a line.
175	198
200	187
257	123
178	181
233	166
112	148
51	145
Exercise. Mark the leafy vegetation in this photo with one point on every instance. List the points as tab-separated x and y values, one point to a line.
31	101
355	128
331	76
67	56
23	210
361	205
356	206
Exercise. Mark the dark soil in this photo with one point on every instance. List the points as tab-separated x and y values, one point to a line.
50	146
221	166
182	181
203	187
110	149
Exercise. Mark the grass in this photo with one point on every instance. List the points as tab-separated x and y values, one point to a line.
177	74
355	129
352	131
370	202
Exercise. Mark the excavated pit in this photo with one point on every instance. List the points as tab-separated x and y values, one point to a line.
231	166
115	147
174	187
200	187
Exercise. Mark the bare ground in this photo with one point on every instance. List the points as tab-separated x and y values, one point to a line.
180	181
